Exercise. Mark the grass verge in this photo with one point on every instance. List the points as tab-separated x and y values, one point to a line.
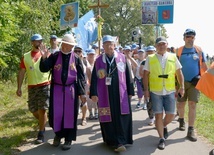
16	123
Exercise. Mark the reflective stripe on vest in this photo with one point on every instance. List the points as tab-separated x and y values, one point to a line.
34	75
156	83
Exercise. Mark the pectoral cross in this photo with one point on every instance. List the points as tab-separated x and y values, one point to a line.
99	6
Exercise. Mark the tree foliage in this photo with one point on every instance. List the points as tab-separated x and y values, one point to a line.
20	19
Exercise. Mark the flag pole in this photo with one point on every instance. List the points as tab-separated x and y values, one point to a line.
99	21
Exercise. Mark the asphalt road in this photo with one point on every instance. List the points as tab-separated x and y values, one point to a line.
89	140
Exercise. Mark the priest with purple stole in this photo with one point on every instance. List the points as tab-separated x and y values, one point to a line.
67	84
112	88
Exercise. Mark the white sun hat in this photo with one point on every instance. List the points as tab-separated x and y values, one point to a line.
68	39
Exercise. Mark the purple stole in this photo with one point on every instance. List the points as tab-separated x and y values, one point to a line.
63	95
102	88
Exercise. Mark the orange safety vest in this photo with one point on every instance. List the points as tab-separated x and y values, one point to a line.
198	50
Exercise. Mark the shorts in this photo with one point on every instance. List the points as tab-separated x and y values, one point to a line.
162	103
191	93
38	98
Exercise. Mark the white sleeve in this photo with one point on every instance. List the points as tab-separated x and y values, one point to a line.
146	66
178	64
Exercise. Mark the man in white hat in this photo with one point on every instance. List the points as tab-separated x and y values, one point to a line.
67	86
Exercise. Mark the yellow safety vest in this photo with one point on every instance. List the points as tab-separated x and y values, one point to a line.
156	83
34	75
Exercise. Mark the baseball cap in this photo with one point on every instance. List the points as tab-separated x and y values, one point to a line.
95	46
53	37
141	50
134	46
161	39
120	47
36	37
78	46
127	47
108	38
150	48
189	32
91	51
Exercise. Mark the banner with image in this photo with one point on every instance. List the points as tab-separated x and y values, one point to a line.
69	15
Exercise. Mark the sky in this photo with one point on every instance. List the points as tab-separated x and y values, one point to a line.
194	14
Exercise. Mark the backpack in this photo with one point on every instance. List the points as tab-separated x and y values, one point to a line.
198	50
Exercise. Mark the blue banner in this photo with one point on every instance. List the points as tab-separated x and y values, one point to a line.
69	15
86	31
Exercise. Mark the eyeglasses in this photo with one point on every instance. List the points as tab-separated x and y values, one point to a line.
192	37
78	51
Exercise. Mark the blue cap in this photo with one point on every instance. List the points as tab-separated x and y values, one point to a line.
141	50
94	46
120	47
134	46
53	37
189	32
36	37
108	38
150	48
127	47
91	51
78	46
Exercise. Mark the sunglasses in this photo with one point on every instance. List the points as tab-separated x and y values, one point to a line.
78	51
192	37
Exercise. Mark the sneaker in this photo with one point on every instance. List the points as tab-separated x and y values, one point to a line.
40	138
191	135
161	144
66	145
151	122
144	106
181	124
56	141
91	117
120	148
138	105
165	133
96	116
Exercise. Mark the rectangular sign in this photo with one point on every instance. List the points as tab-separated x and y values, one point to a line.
157	12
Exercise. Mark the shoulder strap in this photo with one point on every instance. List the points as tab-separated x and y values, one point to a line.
179	51
199	51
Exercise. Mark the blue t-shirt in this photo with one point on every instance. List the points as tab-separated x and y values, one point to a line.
190	63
